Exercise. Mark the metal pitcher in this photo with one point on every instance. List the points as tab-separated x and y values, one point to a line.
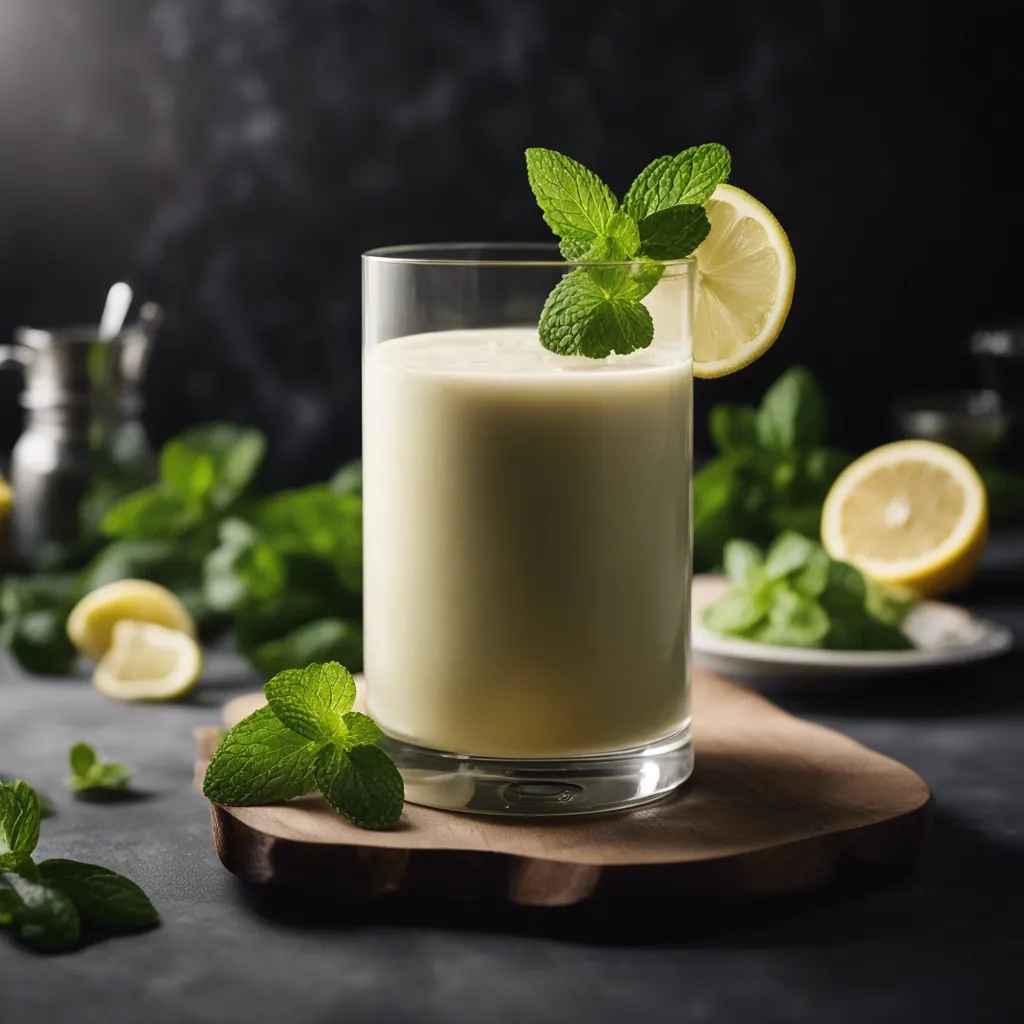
82	437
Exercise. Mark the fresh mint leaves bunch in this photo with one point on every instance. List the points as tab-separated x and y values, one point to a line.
308	738
282	573
796	596
596	310
91	773
772	472
49	905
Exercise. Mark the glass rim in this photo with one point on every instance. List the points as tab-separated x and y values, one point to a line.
420	254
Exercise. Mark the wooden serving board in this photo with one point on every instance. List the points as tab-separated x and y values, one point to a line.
775	806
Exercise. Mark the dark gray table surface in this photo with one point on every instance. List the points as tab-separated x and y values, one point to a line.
945	943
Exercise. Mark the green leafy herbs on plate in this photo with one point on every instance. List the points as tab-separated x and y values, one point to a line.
794	595
597	310
51	906
772	472
308	738
91	773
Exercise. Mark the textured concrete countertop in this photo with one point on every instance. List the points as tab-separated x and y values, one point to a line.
944	944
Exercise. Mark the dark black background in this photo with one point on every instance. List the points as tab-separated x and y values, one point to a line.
232	158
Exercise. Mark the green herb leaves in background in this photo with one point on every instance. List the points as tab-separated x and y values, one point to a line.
307	738
772	472
202	471
282	573
796	596
48	905
34	610
594	311
90	773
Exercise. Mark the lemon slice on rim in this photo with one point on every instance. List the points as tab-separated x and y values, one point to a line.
91	622
745	278
912	513
148	662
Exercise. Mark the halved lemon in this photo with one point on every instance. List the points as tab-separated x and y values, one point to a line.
91	622
746	275
912	513
148	662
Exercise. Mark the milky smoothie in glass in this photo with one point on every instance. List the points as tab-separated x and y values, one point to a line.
527	559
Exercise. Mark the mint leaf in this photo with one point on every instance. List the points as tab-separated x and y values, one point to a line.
573	200
38	641
788	553
103	898
362	730
791	416
187	472
90	772
577	248
317	521
623	231
244	567
812	579
742	562
737	611
732	426
794	620
673	233
260	761
153	513
845	590
689	177
595	317
313	701
81	757
45	918
361	784
20	814
235	454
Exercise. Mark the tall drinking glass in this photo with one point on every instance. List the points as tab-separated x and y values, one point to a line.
526	537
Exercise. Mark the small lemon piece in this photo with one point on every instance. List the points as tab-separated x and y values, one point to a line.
746	273
91	622
148	662
912	513
6	500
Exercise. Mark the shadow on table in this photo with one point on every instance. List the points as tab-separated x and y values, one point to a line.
964	883
955	692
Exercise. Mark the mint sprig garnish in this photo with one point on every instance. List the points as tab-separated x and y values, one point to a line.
90	773
49	905
595	311
308	738
689	177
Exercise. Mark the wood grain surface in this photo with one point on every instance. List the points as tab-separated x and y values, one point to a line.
776	805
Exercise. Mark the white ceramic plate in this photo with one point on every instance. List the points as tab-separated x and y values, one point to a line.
943	635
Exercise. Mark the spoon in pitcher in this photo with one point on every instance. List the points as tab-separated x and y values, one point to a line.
119	299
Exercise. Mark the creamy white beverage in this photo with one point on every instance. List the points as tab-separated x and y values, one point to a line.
526	544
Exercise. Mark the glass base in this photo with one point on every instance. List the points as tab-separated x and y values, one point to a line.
588	784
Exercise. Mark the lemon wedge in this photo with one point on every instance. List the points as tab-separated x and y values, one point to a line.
91	622
912	513
148	662
6	498
746	274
